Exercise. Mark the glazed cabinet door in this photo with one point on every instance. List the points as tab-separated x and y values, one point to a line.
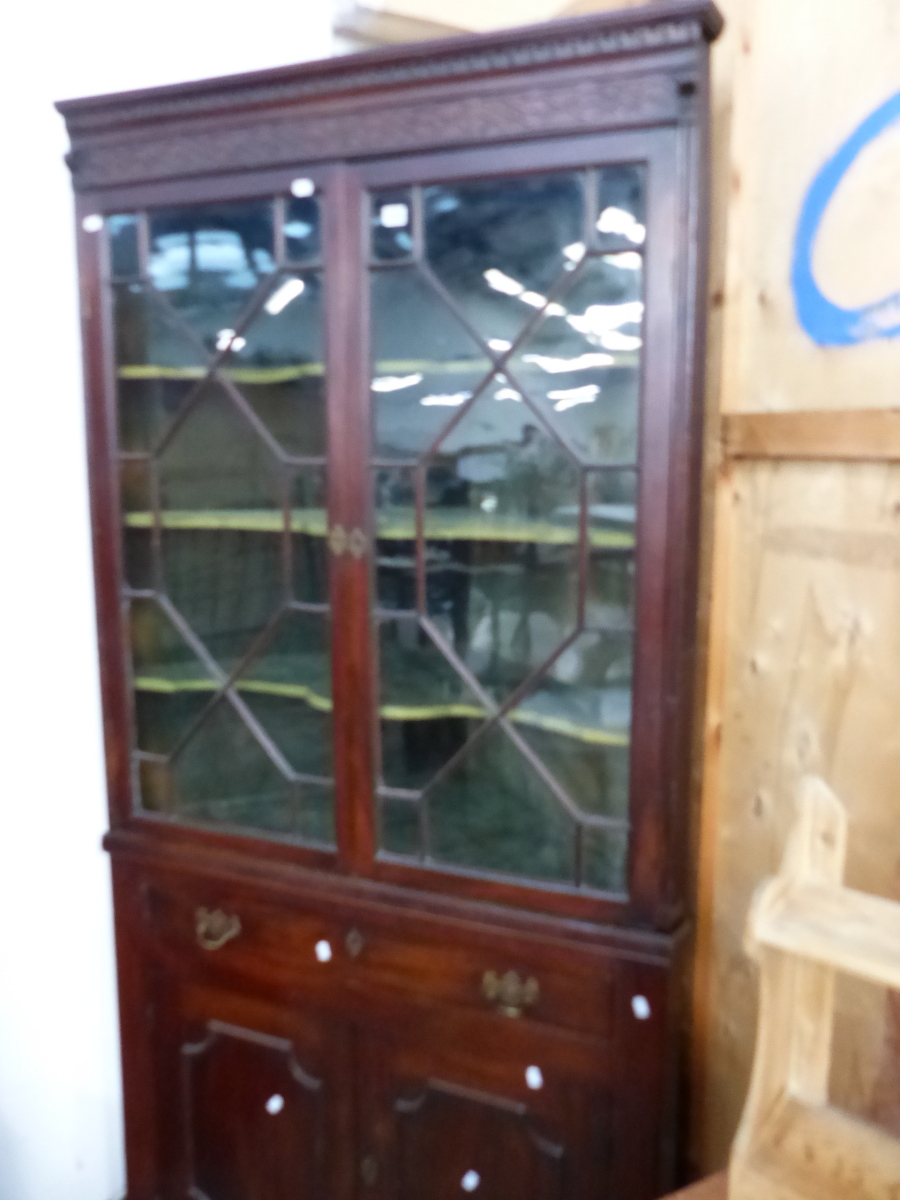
522	321
254	1100
446	1113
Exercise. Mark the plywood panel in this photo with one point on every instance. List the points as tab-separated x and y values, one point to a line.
817	68
812	686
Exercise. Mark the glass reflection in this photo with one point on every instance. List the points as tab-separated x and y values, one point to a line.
583	365
425	363
122	231
302	236
621	210
208	260
392	224
277	364
502	529
499	246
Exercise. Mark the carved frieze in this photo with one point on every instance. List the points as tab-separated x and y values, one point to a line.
563	106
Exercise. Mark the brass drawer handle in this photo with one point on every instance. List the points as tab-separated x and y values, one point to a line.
215	928
510	992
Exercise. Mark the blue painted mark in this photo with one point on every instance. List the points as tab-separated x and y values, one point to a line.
825	322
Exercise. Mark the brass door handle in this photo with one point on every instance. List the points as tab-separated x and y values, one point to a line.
341	542
510	992
215	928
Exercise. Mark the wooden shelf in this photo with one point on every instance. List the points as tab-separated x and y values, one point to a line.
588	734
441	524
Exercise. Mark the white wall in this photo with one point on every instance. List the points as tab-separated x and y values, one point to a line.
60	1123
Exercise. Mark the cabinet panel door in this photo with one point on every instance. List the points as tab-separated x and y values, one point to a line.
255	1099
437	1126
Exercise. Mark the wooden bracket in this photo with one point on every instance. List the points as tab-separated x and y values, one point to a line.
803	928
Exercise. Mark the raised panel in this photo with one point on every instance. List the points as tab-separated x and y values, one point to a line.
254	1099
451	1140
450	1111
254	1117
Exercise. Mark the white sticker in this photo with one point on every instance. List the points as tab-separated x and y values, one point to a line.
640	1006
323	951
275	1104
302	188
470	1181
92	223
534	1077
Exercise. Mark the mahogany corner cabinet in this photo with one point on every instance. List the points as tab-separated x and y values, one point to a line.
394	382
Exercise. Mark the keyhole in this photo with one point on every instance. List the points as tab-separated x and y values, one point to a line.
323	951
275	1104
470	1181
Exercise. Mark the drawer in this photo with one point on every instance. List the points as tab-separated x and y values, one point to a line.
359	958
524	985
269	944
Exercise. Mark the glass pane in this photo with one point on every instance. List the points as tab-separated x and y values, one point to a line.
400	827
314	814
223	775
242	531
392	235
288	689
507	370
137	548
171	684
157	365
502	529
609	600
209	259
621	209
427	710
578	721
604	859
582	365
499	246
495	813
302	236
425	364
123	244
309	548
277	364
395	523
215	462
223	522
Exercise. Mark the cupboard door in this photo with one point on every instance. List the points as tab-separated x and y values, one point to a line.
508	360
436	1125
255	1100
255	1117
217	313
